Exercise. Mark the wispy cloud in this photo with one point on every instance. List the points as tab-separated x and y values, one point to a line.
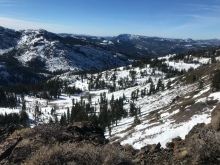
21	25
10	3
35	20
204	7
3	15
204	19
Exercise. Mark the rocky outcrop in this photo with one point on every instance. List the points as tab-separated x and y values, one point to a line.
201	146
195	130
86	132
24	143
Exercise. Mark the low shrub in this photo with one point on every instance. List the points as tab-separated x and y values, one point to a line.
26	132
81	155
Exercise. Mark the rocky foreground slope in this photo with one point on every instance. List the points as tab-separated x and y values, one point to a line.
83	143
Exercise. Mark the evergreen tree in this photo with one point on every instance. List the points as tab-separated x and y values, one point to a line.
56	119
73	101
216	80
90	99
23	105
159	85
132	109
68	115
124	96
136	120
152	88
168	84
50	120
201	85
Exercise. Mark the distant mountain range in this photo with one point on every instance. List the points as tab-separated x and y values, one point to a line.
136	46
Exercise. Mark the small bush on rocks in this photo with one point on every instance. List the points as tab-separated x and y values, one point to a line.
69	153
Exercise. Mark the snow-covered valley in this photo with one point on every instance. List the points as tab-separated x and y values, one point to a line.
167	113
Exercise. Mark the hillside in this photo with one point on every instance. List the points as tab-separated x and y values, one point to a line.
150	101
39	51
176	124
160	88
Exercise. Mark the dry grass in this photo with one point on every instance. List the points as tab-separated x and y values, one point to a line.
114	138
127	135
25	133
183	154
48	133
128	147
81	155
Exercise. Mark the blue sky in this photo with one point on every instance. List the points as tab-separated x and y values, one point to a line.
197	19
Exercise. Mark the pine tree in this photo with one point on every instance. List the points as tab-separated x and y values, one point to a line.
65	119
110	130
159	84
50	120
137	94
62	121
132	109
168	84
152	88
124	96
194	78
73	101
201	85
112	99
216	80
136	120
23	105
68	115
56	119
90	99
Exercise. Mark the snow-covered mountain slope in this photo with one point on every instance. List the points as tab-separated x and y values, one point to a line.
164	115
52	52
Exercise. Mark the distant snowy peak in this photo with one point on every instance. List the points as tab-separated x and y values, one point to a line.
128	37
132	37
76	35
